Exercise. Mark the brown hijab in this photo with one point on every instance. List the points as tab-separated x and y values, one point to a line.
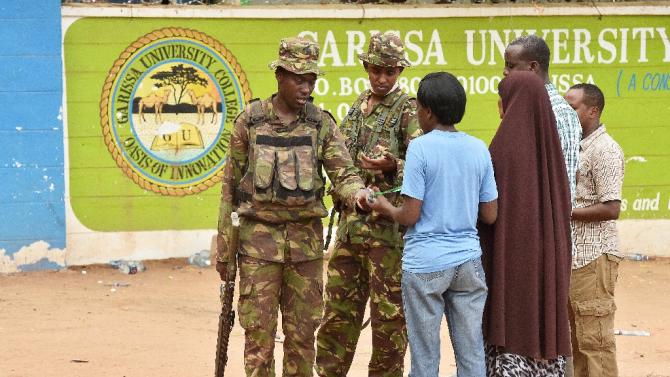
527	252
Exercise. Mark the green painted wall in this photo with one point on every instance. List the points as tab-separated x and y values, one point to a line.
628	57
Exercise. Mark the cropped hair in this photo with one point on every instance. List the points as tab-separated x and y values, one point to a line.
534	48
444	95
593	96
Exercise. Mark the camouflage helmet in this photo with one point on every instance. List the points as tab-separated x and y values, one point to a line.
298	55
385	50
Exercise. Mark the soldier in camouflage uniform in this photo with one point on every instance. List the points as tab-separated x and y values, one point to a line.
279	148
366	261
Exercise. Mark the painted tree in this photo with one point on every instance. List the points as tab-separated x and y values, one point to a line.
179	78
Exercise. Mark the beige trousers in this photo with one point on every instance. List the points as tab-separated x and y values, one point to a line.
591	311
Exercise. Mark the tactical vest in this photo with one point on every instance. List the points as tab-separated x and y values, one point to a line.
283	179
387	127
388	120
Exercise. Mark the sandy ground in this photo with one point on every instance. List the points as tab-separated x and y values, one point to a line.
75	322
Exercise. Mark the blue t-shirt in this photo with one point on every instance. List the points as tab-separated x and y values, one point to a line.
451	172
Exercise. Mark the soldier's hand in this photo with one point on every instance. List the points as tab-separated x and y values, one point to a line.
385	164
222	269
361	199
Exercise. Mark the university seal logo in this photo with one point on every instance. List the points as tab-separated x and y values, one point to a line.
167	109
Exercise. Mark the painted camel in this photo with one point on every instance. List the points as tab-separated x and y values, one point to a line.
156	101
202	103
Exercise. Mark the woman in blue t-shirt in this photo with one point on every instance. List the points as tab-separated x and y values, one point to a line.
448	185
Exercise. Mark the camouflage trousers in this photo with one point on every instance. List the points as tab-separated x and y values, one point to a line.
357	272
265	287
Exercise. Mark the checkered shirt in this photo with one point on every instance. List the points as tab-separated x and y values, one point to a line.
569	132
600	177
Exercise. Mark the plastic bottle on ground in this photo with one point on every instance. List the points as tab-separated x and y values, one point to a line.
128	267
200	259
632	332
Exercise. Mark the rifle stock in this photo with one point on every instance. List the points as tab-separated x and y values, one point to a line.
227	316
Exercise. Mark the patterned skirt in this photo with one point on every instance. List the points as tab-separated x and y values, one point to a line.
501	364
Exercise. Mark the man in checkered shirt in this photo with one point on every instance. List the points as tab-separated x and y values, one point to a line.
531	53
596	259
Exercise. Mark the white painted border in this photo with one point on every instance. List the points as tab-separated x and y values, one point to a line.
649	237
363	11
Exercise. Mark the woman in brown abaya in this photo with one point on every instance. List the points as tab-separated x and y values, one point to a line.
527	252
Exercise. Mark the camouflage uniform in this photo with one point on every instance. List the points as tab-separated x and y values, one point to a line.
273	179
366	261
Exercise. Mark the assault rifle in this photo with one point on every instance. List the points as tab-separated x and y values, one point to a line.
227	316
